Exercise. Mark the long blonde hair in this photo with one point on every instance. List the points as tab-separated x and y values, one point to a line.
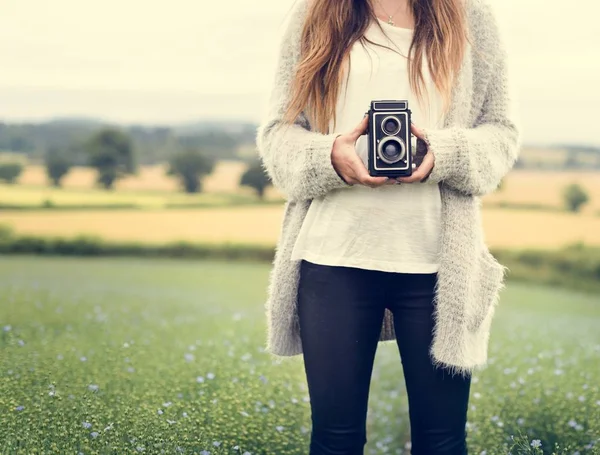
331	28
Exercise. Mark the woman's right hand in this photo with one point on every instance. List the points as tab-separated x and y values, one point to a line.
346	161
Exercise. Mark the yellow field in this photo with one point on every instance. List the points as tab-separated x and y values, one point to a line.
224	178
531	187
151	187
260	224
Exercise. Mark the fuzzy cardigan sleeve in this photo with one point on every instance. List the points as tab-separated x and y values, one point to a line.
474	160
297	159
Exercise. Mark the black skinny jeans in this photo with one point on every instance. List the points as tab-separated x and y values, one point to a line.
341	312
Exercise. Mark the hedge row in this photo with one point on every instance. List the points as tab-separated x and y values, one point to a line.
576	266
95	246
131	206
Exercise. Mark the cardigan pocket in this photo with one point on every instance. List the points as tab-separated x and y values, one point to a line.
489	283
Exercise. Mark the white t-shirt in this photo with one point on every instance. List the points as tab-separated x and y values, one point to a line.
392	228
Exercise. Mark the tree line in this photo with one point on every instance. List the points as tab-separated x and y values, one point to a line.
111	152
153	144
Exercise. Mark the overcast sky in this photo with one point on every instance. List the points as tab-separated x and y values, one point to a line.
145	61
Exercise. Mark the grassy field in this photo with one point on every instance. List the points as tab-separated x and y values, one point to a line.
131	356
260	224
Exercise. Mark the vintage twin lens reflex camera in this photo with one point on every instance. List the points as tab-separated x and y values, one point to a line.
390	151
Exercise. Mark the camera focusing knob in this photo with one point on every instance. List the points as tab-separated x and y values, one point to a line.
414	166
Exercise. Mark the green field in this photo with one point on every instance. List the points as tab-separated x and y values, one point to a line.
124	356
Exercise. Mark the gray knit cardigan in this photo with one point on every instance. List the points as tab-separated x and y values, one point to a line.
476	147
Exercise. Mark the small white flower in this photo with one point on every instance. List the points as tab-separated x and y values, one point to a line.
140	448
521	421
572	423
167	404
93	387
216	443
210	376
558	372
184	414
87	425
170	422
83	358
200	379
581	398
244	413
188	357
160	412
579	427
536	443
94	434
7	328
279	428
477	395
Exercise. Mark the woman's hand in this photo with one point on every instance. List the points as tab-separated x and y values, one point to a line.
346	161
425	167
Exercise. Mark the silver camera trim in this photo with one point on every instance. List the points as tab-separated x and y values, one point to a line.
402	139
387	139
387	133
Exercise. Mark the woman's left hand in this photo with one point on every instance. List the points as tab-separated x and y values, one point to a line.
426	166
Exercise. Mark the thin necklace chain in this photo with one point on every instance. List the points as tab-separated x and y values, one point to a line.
390	16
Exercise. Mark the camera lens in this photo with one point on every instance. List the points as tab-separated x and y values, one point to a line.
390	125
391	149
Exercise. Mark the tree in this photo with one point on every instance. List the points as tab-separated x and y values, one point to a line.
256	177
574	196
10	171
189	166
58	164
110	151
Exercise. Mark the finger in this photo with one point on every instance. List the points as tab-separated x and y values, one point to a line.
360	129
417	131
410	179
414	177
363	176
372	181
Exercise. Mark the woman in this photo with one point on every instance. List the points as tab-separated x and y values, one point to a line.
362	259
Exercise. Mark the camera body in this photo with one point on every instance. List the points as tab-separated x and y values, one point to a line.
390	144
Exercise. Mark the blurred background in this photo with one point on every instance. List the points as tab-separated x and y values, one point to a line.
127	136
